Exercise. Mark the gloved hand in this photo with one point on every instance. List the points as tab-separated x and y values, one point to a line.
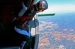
34	23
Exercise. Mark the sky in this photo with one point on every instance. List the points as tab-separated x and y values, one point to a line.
60	6
61	1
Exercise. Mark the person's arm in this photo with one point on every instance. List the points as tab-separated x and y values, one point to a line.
35	22
23	10
28	3
22	24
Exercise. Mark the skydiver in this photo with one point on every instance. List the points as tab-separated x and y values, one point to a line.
14	21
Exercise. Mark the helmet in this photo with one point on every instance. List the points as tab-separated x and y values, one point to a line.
41	5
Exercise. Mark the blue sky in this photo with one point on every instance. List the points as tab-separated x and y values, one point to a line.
61	1
60	6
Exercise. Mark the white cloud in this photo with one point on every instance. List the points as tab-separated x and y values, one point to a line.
61	47
60	8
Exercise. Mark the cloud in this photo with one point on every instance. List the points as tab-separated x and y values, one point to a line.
60	8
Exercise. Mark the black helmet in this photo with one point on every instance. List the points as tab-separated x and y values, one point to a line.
41	5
